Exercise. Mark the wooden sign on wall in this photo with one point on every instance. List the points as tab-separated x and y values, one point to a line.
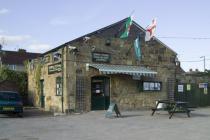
54	68
101	57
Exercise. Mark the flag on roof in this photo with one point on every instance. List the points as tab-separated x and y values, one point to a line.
150	30
137	48
127	28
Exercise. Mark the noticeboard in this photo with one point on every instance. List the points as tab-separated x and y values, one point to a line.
205	91
188	87
203	85
180	88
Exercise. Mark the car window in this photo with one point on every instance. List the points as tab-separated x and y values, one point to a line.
9	96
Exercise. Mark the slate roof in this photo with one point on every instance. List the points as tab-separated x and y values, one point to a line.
112	30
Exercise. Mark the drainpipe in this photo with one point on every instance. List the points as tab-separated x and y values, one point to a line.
62	66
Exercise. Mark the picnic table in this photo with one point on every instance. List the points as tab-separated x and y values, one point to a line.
172	107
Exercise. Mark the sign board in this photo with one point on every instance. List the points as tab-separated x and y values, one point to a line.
54	68
180	88
205	90
203	85
112	107
101	57
188	87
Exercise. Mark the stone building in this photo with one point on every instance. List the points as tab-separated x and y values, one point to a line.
89	72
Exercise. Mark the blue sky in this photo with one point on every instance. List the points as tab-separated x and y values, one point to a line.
39	25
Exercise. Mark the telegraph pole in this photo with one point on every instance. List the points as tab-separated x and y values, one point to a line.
204	62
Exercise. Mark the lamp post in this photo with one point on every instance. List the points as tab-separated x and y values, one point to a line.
204	63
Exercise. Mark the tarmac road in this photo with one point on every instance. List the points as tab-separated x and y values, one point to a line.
135	125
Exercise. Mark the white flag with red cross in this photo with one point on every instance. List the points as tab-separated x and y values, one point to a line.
150	30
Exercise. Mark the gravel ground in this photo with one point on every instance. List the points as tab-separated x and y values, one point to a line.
134	125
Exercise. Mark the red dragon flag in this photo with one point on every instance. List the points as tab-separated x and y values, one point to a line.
128	24
150	30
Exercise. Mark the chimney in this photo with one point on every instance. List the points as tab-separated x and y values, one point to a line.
22	50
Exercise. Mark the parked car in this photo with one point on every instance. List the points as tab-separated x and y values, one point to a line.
11	103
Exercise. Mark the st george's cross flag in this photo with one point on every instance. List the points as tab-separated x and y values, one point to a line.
150	30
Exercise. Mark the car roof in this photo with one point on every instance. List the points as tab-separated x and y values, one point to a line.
8	92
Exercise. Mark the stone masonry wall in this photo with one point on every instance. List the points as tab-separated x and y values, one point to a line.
123	89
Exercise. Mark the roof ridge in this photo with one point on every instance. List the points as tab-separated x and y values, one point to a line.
19	52
103	28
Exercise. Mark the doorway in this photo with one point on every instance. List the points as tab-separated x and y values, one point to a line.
42	96
100	93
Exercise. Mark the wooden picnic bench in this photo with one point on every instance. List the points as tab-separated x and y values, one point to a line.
172	107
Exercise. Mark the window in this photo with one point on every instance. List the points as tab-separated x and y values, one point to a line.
56	56
12	67
151	86
58	86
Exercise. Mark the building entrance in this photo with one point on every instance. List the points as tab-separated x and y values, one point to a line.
100	93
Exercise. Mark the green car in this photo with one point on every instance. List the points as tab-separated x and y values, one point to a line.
11	103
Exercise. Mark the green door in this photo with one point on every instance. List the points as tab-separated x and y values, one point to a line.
42	96
100	93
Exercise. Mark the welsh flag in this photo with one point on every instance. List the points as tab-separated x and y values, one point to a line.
150	30
127	28
137	48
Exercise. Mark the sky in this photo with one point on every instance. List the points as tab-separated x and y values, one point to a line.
40	25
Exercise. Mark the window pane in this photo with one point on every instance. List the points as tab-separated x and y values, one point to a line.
157	86
146	86
152	86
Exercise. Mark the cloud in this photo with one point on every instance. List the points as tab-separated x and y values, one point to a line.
13	39
39	47
4	11
59	21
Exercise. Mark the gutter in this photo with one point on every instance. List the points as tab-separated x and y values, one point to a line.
62	99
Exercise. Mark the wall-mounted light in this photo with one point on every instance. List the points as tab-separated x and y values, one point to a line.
73	49
93	48
86	38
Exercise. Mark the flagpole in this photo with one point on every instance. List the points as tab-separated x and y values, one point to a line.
139	36
132	13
